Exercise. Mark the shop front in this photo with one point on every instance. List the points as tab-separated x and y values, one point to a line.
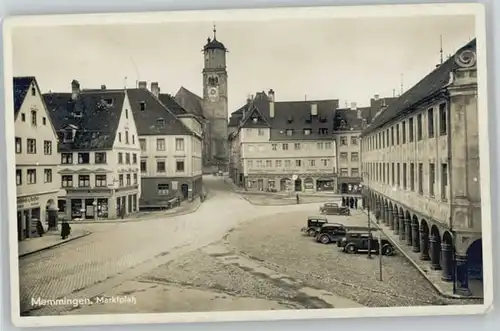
325	185
30	210
349	185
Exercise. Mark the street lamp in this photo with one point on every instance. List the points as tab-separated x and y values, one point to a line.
369	256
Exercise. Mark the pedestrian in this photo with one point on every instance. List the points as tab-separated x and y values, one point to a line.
39	228
298	199
122	212
355	203
65	230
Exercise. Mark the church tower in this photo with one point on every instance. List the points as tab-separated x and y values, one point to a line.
215	107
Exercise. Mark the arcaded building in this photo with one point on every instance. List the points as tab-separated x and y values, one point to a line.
420	158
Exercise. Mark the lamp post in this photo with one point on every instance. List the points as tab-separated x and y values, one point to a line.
367	185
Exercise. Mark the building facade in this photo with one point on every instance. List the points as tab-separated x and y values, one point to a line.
37	183
421	163
284	146
171	147
213	106
99	153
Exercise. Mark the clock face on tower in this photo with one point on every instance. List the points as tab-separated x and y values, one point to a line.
213	93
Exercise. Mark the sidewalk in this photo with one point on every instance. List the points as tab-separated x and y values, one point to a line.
424	267
183	209
49	240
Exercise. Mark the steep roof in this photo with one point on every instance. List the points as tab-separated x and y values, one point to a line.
147	120
100	116
21	86
214	44
430	85
170	103
189	101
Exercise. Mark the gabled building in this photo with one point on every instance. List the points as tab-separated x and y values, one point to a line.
171	147
37	182
284	146
99	152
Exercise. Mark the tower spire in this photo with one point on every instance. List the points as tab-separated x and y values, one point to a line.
215	32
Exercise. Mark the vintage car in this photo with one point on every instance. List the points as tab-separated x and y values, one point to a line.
358	241
334	209
314	223
330	232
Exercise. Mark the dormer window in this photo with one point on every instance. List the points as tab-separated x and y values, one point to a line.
77	113
343	124
323	131
109	102
309	119
290	119
143	105
322	119
307	132
255	119
289	132
68	135
160	122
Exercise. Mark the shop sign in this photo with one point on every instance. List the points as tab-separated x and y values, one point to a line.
28	202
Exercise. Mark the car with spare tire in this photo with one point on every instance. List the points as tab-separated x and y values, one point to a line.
359	241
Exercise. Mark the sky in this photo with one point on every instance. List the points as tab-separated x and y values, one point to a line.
349	59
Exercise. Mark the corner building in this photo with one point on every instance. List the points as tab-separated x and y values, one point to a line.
420	160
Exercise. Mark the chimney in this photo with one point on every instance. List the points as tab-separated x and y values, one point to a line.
314	109
353	105
143	84
271	103
155	89
271	95
376	96
75	89
359	114
103	87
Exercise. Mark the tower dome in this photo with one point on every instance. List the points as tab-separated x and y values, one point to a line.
214	43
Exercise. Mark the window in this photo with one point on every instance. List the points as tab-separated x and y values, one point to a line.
100	181
68	135
432	178
323	131
296	145
44	121
162	189
67	181
354	172
120	158
135	179
397	134
311	163
47	147
344	172
398	174
100	158
405	183
419	127
83	158
430	123
119	136
289	132
444	181
284	147
120	180
269	163
412	176
179	166
160	166
278	163
392	136
324	162
23	117
33	117
307	132
143	166
134	158
133	139
443	119
31	146
403	127
393	175
274	147
126	138
420	178
142	143
354	140
298	163
143	105
179	144
160	144
384	173
127	158
129	180
328	145
47	175
19	145
288	163
126	113
67	158
343	156
33	91
354	156
260	132
160	122
259	164
343	141
250	163
83	180
411	136
19	177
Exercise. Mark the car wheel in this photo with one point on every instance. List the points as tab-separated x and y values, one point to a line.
324	239
388	250
311	232
351	249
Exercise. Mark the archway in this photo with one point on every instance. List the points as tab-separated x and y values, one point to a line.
284	184
402	228
408	233
298	185
390	216
185	191
475	267
51	214
424	241
308	183
344	188
435	248
447	251
415	234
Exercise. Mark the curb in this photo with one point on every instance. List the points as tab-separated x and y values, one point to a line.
419	269
55	245
285	204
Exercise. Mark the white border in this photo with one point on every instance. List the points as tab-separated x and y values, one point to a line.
255	15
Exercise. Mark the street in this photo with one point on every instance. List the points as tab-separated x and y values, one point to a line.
228	255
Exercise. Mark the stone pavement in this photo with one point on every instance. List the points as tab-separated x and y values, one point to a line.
424	267
50	239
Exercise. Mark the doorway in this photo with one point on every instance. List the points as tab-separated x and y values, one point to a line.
185	190
298	185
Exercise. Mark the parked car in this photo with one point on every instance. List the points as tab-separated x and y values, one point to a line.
357	241
331	232
314	223
334	209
